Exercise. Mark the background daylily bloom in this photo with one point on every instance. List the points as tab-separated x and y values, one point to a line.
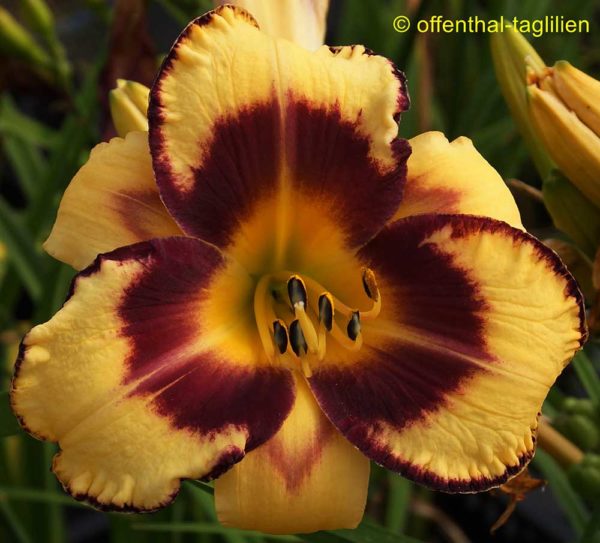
301	21
279	314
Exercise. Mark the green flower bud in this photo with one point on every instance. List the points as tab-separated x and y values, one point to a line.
514	58
580	429
572	212
579	406
585	477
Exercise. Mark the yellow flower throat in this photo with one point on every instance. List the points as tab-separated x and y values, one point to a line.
295	314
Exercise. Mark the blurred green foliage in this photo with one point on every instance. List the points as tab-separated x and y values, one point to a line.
52	113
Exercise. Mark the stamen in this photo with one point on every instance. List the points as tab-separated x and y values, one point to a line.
369	284
297	341
372	291
326	310
344	340
307	333
353	328
308	329
280	335
296	290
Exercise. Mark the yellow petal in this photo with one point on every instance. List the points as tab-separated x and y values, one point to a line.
305	478
477	321
452	177
571	144
129	106
300	21
111	202
147	376
245	127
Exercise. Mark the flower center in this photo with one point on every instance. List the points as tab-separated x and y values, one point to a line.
295	316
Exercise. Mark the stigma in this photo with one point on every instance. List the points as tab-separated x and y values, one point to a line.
296	318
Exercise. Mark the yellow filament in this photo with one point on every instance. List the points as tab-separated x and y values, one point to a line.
373	312
308	329
306	367
322	342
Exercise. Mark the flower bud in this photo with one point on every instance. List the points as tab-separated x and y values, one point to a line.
585	477
129	106
545	104
580	429
580	406
579	92
514	58
572	212
573	146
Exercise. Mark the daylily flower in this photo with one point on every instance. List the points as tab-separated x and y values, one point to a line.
284	303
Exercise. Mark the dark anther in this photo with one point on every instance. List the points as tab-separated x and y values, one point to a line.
297	340
280	335
370	285
326	311
296	290
353	328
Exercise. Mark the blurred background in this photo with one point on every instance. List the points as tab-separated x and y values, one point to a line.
54	82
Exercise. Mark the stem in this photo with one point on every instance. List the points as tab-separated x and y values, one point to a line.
557	445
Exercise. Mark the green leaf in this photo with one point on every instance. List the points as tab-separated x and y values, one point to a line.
202	486
33	495
207	528
569	500
588	376
397	502
8	422
16	124
366	532
26	161
201	496
14	523
590	535
21	250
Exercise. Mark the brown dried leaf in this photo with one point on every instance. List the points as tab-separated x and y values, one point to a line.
517	489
